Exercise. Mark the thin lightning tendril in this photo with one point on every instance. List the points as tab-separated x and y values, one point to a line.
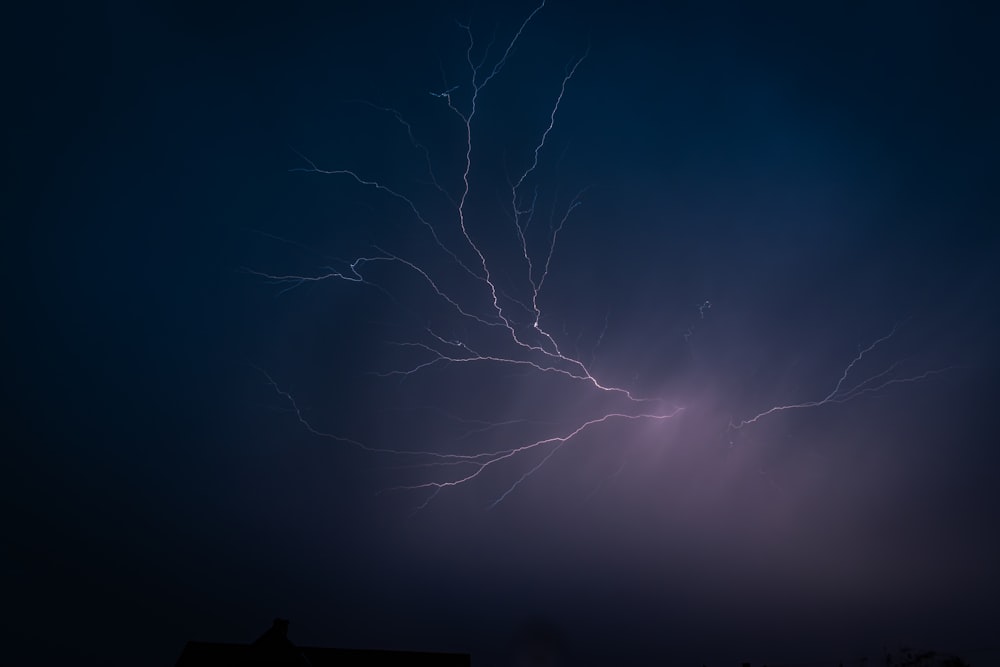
838	395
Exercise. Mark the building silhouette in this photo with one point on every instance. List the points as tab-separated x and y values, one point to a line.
274	649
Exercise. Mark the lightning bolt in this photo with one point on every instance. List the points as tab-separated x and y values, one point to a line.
495	327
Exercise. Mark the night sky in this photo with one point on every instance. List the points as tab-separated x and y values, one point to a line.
748	196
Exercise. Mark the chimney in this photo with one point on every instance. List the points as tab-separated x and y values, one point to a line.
276	636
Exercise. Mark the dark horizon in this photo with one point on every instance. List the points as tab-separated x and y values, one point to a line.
537	646
767	330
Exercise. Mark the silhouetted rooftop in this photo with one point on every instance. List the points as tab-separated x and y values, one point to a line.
274	649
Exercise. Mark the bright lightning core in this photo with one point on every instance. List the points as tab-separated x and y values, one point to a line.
506	384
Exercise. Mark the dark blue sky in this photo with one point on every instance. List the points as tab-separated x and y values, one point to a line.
819	173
